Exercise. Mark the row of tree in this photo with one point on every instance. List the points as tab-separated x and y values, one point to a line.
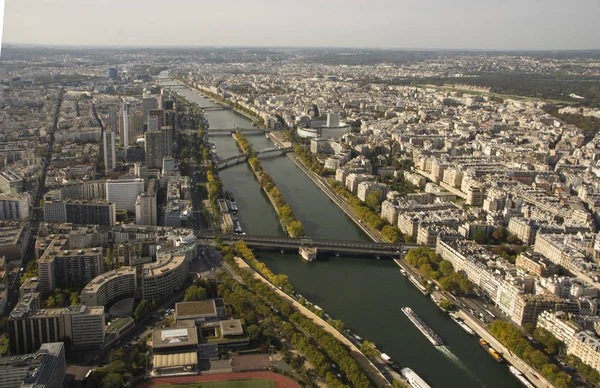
282	281
284	211
254	303
309	159
516	342
62	298
390	232
433	267
334	350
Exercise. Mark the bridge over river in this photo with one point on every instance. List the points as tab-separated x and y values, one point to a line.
237	159
322	245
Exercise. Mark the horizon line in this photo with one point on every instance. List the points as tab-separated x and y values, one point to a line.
121	47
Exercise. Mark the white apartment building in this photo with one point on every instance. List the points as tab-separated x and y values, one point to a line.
145	209
14	207
557	323
124	192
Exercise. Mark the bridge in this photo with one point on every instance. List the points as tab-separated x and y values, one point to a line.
230	131
237	159
211	108
322	245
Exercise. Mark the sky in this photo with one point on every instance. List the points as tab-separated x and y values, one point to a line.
428	24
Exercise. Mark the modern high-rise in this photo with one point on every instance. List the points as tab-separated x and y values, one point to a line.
110	160
84	325
99	212
156	148
126	113
15	206
29	328
124	192
148	103
110	287
145	206
66	268
155	119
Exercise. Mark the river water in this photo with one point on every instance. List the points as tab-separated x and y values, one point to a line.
364	292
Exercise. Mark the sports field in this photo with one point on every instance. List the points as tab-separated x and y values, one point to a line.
253	383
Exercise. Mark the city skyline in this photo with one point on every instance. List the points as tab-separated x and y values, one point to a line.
433	24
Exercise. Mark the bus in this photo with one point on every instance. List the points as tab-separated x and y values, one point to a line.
490	314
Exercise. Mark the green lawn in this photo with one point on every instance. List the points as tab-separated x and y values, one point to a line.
254	383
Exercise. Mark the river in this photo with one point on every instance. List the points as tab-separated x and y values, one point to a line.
365	293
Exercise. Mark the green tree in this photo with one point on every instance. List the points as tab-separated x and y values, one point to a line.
51	302
373	200
194	293
74	299
144	308
479	237
113	380
368	349
500	234
446	304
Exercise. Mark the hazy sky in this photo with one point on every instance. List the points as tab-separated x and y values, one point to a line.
470	24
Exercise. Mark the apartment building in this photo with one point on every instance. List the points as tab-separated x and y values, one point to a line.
28	327
14	206
162	278
10	182
124	192
61	268
586	346
110	287
559	325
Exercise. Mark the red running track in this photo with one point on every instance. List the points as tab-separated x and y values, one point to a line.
280	380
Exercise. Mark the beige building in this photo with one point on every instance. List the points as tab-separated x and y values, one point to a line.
559	325
162	278
110	287
528	307
586	346
536	264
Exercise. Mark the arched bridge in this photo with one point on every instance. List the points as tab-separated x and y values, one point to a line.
233	160
322	245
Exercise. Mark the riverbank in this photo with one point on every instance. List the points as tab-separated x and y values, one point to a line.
534	377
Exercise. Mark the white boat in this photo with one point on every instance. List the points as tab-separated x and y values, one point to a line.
522	379
462	325
414	379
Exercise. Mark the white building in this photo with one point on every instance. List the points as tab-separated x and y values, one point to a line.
124	192
557	323
145	209
110	159
14	207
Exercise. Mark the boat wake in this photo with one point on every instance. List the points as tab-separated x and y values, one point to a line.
452	357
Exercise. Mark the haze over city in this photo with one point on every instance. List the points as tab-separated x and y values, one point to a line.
430	24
